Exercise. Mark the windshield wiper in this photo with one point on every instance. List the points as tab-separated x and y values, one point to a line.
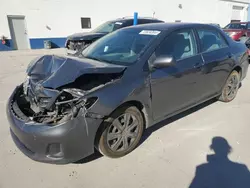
94	58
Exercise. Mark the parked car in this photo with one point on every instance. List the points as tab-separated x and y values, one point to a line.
216	25
77	42
124	83
246	41
238	30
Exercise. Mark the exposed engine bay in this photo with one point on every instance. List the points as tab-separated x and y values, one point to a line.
65	107
38	102
50	106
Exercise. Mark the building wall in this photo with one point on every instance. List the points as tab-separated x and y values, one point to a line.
56	19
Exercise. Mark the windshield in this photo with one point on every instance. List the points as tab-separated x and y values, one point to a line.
121	47
108	27
236	26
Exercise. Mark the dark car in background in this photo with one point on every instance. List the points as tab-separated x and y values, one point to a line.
77	42
215	24
122	84
236	30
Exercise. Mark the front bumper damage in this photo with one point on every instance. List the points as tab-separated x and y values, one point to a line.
60	142
52	114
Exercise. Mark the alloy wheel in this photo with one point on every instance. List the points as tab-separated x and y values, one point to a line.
123	132
232	87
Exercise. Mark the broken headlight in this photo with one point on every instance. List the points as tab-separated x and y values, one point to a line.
90	102
26	85
68	104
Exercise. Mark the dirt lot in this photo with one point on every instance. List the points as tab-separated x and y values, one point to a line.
167	158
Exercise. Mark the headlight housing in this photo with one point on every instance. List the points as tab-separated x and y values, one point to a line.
65	45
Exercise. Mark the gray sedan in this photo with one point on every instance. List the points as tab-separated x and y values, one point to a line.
122	84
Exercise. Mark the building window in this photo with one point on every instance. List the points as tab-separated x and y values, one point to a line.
86	23
238	7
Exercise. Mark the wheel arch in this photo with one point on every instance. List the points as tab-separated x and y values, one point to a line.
138	104
141	107
238	69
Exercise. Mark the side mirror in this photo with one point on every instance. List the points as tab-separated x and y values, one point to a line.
164	61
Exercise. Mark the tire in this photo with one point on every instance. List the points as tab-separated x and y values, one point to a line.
120	137
231	87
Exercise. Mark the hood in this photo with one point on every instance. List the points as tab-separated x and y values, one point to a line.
86	36
52	71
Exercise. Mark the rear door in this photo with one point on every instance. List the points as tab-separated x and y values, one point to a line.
217	60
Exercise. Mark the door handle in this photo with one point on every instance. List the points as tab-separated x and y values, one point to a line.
229	55
198	65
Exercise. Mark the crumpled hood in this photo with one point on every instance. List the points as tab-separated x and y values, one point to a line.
85	36
54	71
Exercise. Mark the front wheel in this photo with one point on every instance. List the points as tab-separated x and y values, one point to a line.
122	135
231	87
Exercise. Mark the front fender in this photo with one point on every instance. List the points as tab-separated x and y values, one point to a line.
115	94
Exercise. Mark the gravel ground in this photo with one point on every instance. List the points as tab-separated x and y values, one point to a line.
167	158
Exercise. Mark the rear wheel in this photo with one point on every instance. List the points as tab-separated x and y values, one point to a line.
231	87
123	134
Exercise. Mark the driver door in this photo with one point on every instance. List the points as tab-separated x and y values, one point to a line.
176	87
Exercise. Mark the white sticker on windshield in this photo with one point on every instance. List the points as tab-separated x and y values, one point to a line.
118	23
149	32
106	49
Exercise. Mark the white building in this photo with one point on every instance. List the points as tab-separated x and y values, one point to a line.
30	22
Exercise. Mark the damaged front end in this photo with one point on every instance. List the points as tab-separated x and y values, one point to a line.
54	106
52	114
49	106
48	97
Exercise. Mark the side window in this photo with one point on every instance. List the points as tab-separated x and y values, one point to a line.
86	23
211	40
179	44
128	23
248	26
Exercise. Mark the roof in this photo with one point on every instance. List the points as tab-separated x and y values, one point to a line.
131	18
167	26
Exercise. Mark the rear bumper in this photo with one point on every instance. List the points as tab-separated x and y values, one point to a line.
244	67
60	144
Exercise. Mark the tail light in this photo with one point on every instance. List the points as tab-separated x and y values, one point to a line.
248	52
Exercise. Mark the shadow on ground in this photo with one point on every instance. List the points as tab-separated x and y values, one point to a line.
94	156
219	171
